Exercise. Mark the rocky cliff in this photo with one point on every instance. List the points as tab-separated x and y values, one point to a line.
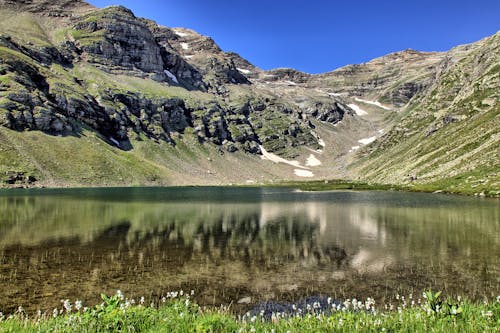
100	96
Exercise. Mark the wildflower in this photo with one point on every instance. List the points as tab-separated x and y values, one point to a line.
55	312
66	304
20	309
253	319
192	292
142	300
163	299
78	305
329	300
119	294
182	292
487	313
1	316
252	329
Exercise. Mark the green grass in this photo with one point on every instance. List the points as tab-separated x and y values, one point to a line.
337	184
117	314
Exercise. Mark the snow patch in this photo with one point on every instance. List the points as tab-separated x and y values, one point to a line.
303	173
244	71
290	83
321	143
171	76
188	56
114	141
353	149
381	131
181	34
185	46
312	161
376	103
359	111
336	94
367	141
277	159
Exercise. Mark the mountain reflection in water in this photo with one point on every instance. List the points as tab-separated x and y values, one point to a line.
229	244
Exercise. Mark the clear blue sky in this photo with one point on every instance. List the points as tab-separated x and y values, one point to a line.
318	36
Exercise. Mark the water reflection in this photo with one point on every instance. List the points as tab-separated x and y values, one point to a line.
229	244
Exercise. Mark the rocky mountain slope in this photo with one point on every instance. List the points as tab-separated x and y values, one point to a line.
94	96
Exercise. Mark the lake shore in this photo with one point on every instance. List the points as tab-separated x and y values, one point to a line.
311	185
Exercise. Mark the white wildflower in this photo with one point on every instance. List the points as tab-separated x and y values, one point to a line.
119	294
487	313
142	300
67	305
55	312
78	305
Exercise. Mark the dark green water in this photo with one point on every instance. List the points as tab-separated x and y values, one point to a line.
229	244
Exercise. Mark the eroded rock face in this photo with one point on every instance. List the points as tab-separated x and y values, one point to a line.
393	79
115	37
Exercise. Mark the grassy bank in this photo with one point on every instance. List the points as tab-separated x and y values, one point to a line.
438	186
177	313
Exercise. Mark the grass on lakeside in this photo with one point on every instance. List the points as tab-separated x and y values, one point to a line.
337	184
441	186
177	313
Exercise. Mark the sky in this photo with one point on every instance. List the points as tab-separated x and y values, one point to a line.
317	36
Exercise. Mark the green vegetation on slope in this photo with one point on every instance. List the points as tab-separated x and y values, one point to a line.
447	139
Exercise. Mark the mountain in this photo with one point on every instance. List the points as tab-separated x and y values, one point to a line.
93	96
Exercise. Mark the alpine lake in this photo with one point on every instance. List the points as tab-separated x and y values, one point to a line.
242	246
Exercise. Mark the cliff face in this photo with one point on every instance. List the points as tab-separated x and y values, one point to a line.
170	100
53	87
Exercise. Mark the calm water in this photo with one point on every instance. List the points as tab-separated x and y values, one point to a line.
230	244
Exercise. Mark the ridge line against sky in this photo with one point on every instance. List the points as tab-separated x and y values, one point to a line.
319	36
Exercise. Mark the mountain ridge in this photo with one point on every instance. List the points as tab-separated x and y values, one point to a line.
146	91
